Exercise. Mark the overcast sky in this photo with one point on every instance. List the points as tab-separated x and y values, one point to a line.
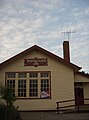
24	23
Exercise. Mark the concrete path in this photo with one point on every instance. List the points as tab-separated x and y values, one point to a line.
53	116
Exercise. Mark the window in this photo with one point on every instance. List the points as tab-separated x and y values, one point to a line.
22	75
10	81
11	84
33	85
45	85
33	74
10	75
44	74
21	88
45	91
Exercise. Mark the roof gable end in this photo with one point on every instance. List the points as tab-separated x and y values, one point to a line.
35	47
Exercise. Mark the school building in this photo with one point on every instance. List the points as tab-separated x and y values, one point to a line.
40	78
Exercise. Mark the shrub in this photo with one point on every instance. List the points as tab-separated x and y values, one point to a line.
7	94
9	113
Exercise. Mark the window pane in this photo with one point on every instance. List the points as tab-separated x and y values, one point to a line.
10	75
22	75
33	74
45	90
11	84
33	85
21	88
44	74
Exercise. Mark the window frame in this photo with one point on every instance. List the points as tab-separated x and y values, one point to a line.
22	75
22	88
28	78
11	84
34	87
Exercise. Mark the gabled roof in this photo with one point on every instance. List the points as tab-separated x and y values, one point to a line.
35	47
83	74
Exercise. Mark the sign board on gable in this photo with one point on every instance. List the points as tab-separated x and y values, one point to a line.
36	62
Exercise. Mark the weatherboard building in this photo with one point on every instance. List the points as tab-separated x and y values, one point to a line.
40	78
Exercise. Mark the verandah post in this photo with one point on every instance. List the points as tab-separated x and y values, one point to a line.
57	107
78	105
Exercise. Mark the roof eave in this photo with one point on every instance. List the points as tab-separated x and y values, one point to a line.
35	47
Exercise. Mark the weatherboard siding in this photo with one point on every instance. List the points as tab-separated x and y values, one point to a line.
62	82
86	92
80	78
85	80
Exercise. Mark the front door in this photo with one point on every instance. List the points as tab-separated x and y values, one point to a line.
79	97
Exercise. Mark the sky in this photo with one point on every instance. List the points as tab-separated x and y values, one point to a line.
46	23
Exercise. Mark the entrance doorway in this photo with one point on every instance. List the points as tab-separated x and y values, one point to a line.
79	96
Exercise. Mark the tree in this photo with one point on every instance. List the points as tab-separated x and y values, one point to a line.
8	111
7	95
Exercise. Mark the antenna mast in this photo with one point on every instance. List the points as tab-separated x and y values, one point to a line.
68	33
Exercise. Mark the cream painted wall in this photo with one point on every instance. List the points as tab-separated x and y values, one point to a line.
80	78
62	82
85	81
86	92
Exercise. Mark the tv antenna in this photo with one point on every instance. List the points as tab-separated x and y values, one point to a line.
68	33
